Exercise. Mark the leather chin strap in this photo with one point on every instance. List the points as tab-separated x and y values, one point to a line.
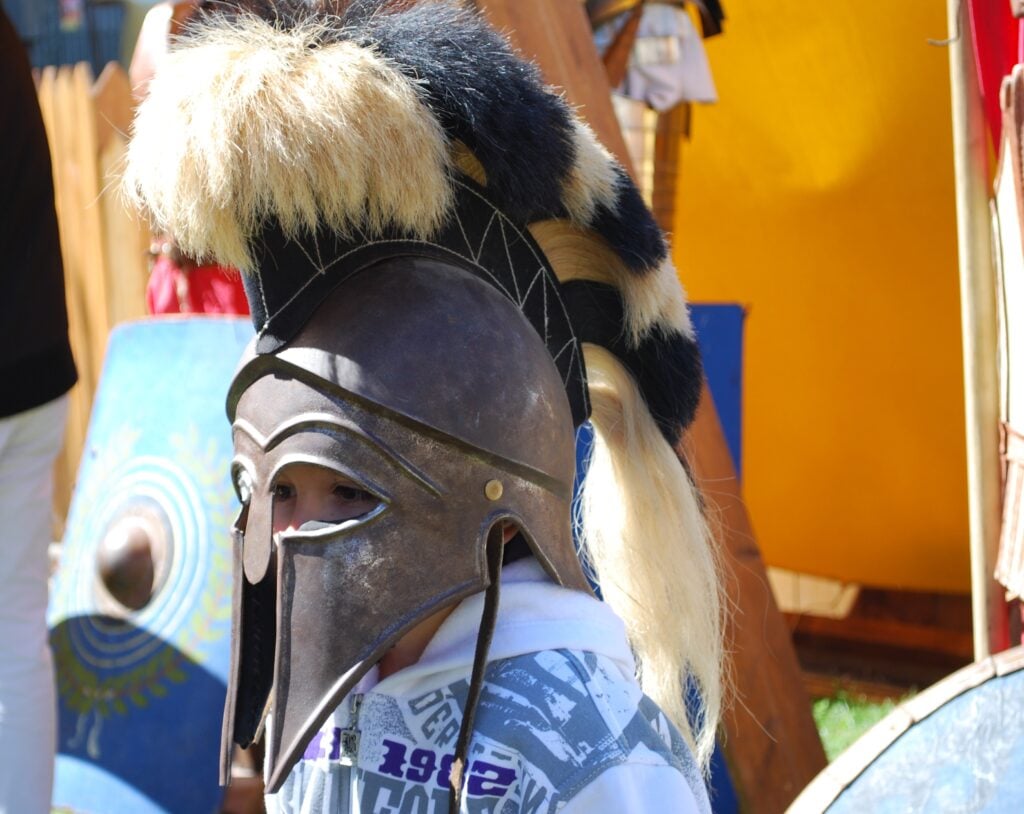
483	645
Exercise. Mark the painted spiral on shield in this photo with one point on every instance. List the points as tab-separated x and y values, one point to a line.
145	588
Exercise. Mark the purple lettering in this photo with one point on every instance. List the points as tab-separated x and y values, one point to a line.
313	750
394	759
422	763
444	774
488	780
336	743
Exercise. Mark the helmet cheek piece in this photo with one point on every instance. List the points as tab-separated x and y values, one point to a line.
254	611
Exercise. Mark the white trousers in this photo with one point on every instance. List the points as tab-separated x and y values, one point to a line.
29	443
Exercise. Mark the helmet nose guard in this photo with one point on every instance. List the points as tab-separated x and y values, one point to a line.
438	396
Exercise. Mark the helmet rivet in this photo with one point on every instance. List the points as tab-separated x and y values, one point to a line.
493	489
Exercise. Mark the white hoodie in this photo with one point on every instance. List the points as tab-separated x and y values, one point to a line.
561	726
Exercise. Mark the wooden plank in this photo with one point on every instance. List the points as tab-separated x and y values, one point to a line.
673	126
906	638
67	172
891	632
112	97
909	669
125	236
771	743
64	473
93	285
55	91
950	611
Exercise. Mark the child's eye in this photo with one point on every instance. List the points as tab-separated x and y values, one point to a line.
353	493
283	491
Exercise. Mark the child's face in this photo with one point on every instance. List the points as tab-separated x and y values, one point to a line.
306	492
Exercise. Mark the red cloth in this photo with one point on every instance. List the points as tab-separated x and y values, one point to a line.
204	290
997	39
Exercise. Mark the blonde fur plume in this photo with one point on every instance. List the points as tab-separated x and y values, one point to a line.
250	122
650	300
647	541
591	181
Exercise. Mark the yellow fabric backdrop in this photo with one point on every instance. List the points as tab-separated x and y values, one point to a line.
818	193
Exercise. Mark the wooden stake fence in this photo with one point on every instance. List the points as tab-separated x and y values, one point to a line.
103	244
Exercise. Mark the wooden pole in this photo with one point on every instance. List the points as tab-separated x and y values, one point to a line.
979	330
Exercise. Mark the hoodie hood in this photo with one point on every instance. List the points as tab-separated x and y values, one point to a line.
534	614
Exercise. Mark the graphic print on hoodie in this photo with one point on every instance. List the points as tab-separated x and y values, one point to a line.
553	727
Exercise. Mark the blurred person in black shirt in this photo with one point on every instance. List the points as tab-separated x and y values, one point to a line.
36	371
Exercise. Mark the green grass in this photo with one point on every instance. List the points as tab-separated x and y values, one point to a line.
845	716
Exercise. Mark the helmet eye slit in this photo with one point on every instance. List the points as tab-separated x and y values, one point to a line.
307	494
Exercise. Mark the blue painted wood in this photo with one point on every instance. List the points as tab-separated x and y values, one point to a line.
720	335
141	693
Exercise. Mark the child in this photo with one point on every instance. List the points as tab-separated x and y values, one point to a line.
448	275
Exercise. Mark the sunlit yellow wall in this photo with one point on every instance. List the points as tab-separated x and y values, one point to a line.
819	193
